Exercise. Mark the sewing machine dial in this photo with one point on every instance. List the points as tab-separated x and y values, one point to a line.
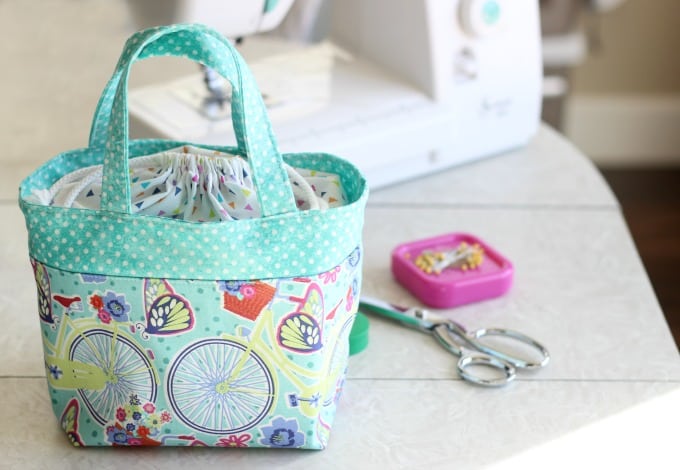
482	17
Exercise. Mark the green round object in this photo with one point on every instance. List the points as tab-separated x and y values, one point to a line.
358	337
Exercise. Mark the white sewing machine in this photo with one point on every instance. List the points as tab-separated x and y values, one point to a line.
421	84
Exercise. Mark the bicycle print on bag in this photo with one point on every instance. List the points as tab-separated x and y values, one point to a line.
179	362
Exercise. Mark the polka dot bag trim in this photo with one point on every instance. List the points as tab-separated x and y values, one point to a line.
284	241
136	307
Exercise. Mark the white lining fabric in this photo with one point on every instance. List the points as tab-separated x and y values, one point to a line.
194	184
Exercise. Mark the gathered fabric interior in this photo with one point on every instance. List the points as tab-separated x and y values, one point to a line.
194	184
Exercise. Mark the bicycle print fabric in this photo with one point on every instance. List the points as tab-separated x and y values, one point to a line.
220	363
223	331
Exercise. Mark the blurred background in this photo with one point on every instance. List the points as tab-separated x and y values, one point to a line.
621	107
612	86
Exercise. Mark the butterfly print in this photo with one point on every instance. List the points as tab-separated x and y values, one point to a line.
167	313
42	281
69	422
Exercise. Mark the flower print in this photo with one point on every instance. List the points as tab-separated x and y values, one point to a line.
116	435
134	399
247	291
129	409
116	306
282	433
165	417
130	427
231	287
136	415
153	421
55	371
96	302
121	414
330	276
143	431
104	316
149	408
234	441
135	441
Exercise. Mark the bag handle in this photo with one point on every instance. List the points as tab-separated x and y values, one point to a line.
252	128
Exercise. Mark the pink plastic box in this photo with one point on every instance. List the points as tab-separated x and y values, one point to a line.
451	287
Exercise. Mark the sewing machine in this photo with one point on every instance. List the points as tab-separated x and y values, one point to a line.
405	87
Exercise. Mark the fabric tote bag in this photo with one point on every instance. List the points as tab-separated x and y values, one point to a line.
192	295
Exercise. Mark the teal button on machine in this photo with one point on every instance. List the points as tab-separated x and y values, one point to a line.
491	12
269	5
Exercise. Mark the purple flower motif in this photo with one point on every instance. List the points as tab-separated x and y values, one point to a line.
116	435
136	415
282	432
230	287
116	306
130	427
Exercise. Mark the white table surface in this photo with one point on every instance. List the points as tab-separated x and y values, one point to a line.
579	287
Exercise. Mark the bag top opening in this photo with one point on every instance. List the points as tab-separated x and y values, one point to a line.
194	184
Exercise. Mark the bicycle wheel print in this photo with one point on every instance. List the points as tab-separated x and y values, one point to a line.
213	388
130	371
338	363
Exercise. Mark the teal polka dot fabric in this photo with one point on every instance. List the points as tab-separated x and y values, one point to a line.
285	242
255	138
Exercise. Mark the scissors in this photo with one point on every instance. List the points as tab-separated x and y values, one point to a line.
464	344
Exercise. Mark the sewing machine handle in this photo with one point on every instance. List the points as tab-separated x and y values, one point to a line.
252	128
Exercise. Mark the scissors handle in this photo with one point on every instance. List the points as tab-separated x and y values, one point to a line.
446	334
472	360
473	353
473	336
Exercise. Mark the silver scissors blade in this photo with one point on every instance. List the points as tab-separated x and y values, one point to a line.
416	318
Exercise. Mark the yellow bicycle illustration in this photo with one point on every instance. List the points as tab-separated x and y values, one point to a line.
102	362
228	384
216	385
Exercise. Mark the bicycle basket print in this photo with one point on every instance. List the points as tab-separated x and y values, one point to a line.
194	296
